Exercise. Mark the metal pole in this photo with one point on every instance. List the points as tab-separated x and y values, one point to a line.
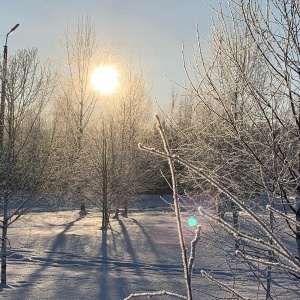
3	176
3	96
3	90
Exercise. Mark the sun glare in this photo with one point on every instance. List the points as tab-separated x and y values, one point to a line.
192	222
105	79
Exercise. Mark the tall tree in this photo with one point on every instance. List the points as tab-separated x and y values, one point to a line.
113	161
27	140
132	118
77	100
247	101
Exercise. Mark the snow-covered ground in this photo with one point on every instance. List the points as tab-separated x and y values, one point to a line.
57	255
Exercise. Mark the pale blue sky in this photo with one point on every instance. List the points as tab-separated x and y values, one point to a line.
150	30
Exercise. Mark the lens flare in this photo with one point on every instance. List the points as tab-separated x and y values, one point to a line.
192	222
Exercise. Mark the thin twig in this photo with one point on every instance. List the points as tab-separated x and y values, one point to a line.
223	285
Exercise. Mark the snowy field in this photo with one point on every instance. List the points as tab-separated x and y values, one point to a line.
57	255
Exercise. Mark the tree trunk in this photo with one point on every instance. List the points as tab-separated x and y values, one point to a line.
4	249
219	207
125	212
235	221
297	208
116	216
271	253
4	234
105	215
6	192
83	211
105	211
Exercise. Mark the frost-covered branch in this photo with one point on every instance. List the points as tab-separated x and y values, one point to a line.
193	250
238	202
221	188
223	285
154	294
177	209
267	263
279	213
153	150
249	238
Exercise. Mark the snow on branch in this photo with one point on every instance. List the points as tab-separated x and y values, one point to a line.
193	250
269	207
171	163
223	285
277	247
250	238
159	293
280	247
267	263
238	202
152	150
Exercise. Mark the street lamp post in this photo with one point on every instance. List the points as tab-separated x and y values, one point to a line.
3	184
3	89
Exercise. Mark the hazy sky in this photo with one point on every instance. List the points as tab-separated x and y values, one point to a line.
150	30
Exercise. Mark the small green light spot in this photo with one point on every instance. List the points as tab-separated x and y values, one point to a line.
192	222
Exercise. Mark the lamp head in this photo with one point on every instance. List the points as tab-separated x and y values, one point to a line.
14	28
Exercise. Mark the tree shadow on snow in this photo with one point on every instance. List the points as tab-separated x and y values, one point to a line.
104	286
128	243
110	287
152	274
51	260
148	238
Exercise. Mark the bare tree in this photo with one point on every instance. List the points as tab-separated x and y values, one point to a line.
77	100
286	260
113	161
187	260
131	113
27	149
246	108
102	177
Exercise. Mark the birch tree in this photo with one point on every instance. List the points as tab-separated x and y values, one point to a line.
27	140
77	99
248	87
286	261
132	110
113	162
244	134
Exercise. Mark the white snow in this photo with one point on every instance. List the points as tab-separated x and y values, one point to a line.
57	255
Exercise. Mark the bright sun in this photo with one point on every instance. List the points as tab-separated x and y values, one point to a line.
105	79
